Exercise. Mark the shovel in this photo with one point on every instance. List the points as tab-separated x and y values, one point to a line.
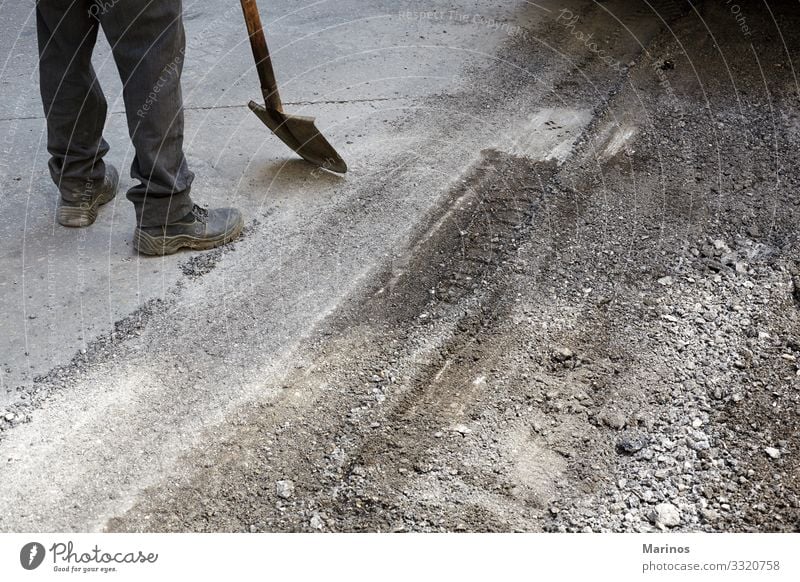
296	131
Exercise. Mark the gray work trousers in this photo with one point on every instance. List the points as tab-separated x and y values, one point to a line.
148	43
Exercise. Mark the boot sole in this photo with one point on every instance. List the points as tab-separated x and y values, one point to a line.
160	246
77	217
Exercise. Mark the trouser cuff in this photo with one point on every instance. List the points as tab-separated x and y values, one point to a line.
164	210
72	189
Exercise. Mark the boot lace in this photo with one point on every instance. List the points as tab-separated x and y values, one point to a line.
200	213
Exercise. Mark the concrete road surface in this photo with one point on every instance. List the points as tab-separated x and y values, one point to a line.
357	66
130	385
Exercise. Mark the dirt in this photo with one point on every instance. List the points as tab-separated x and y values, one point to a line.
563	345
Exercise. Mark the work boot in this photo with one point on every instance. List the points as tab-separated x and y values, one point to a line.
201	229
84	211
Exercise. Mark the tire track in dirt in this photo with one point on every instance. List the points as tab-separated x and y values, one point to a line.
483	222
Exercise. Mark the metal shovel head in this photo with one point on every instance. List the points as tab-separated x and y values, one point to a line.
300	134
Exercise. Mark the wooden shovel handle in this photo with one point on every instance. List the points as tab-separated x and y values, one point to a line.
269	87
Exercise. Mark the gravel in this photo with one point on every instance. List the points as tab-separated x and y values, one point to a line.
604	340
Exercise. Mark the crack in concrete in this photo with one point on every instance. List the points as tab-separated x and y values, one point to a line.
215	107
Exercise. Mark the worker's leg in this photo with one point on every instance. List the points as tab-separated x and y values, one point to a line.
73	101
147	39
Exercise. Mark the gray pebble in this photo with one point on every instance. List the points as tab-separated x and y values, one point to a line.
631	443
284	489
665	515
317	523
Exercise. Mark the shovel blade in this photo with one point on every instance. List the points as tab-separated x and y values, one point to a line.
300	134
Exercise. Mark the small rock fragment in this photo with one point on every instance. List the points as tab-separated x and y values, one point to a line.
284	489
773	453
317	523
631	443
614	419
709	515
563	354
665	515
